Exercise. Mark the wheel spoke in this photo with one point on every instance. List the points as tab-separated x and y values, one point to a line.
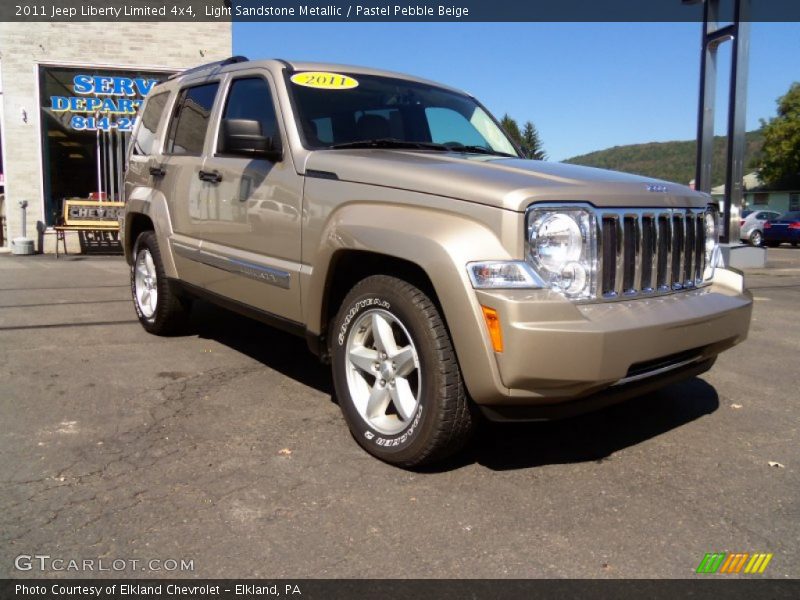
151	268
141	269
363	358
382	332
145	298
404	361
403	398
360	392
378	401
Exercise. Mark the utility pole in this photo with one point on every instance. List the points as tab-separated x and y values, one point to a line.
737	33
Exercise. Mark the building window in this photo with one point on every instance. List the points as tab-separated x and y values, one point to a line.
761	199
87	118
794	201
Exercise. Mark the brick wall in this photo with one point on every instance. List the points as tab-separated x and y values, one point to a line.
24	45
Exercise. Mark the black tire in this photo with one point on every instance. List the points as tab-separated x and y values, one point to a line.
756	238
171	310
443	420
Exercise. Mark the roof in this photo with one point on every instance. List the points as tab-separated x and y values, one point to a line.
751	183
235	63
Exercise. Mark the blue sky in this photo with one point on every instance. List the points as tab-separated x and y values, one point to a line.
586	86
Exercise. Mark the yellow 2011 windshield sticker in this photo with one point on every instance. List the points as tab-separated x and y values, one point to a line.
325	81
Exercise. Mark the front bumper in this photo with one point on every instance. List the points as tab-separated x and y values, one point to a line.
557	351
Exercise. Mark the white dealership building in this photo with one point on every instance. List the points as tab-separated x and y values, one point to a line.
69	93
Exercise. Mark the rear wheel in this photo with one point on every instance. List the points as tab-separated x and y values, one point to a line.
755	238
159	308
396	375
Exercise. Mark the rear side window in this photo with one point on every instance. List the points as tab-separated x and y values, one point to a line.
189	125
251	99
146	140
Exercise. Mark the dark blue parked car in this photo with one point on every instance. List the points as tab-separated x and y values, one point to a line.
786	228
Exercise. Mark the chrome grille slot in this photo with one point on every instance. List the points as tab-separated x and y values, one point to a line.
649	252
630	246
688	276
664	253
609	253
700	249
677	251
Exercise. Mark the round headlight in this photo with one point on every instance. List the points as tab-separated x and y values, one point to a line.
573	278
555	241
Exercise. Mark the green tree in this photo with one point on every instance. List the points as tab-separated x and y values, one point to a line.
531	143
780	155
511	128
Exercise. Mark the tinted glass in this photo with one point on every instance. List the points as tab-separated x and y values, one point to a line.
447	125
251	99
388	108
146	141
190	121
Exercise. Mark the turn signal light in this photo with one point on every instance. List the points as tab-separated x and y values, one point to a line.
493	325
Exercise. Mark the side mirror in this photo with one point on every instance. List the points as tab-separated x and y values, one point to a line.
243	137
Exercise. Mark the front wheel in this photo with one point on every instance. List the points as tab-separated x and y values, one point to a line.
396	375
756	238
159	308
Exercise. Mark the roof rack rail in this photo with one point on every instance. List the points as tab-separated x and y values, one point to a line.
218	63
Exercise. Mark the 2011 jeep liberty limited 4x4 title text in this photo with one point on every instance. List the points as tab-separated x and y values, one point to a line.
392	222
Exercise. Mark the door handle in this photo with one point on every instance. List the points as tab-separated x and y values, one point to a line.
157	171
210	176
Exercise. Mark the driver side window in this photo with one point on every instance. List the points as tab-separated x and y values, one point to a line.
250	98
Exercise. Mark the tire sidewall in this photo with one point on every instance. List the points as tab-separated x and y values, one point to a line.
410	440
147	241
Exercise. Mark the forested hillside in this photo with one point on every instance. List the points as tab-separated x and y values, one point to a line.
672	161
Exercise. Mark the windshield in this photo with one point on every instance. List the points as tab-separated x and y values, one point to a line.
346	110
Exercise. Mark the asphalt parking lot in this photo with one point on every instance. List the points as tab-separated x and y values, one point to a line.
224	447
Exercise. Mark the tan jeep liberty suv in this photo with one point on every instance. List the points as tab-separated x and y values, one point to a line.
391	222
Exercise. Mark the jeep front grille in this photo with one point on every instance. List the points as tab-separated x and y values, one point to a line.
649	252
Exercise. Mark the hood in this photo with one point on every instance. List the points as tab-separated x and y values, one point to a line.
510	183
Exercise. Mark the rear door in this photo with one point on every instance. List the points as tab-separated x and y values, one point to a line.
179	177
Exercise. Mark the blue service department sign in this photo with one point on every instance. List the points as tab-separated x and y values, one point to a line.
103	102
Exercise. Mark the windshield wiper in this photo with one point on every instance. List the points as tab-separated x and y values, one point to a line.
481	150
390	143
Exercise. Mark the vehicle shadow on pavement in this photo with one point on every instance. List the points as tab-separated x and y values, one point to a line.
276	349
497	446
591	437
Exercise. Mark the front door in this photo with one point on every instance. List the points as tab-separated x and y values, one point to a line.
249	209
